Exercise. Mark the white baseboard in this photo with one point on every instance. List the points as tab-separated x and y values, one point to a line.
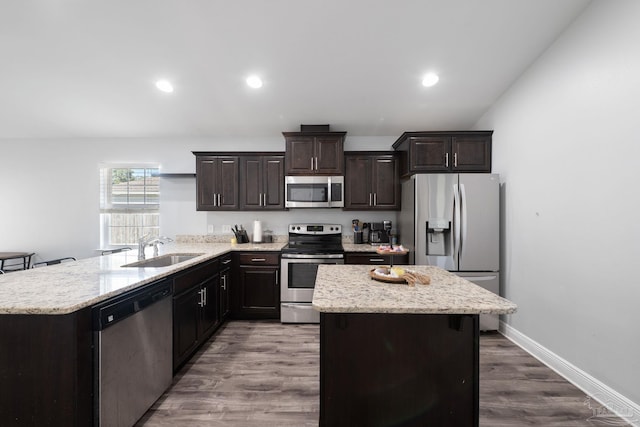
609	400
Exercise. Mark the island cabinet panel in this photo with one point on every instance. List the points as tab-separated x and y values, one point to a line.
314	153
399	369
46	376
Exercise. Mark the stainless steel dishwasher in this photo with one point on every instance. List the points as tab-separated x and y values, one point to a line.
133	354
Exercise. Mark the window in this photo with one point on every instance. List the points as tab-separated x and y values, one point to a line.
129	204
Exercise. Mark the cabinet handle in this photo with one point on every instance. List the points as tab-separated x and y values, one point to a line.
312	163
316	163
375	199
446	159
224	283
219	200
455	160
227	261
214	199
204	296
201	302
258	259
277	278
370	199
376	259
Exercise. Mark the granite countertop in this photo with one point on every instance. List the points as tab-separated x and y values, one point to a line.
360	247
70	286
349	289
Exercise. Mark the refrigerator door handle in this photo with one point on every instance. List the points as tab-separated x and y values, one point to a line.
463	217
456	224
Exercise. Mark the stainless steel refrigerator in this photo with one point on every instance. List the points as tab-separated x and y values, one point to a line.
453	221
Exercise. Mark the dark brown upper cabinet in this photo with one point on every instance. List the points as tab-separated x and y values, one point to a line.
217	182
262	182
314	153
372	181
441	152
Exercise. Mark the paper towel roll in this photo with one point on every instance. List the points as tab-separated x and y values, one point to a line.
257	231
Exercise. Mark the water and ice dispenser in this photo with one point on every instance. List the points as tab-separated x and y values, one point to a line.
438	236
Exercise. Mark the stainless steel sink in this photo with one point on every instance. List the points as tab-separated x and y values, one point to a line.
163	260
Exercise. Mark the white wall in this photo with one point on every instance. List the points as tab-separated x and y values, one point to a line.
566	144
49	202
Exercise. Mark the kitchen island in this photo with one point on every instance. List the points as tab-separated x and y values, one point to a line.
392	354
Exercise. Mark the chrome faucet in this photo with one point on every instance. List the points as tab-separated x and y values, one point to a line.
149	240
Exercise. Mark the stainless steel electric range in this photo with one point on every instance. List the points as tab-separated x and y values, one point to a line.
309	246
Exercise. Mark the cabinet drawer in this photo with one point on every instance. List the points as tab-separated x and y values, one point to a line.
259	258
194	276
225	262
373	258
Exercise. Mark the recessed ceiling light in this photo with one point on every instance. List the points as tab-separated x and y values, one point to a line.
164	86
430	79
254	82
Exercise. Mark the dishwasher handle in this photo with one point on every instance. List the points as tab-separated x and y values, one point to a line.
112	312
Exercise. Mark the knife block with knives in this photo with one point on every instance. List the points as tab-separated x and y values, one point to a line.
241	234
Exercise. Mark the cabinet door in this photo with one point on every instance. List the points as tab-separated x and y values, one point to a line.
206	182
299	155
273	182
225	281
228	187
185	325
209	310
259	291
430	154
357	191
385	183
471	153
251	182
329	155
217	183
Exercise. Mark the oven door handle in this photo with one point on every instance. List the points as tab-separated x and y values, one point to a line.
311	256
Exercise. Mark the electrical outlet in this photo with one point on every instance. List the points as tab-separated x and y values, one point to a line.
210	229
226	228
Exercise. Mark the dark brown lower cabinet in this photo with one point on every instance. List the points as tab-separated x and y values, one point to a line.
257	286
196	310
225	286
46	376
399	369
372	258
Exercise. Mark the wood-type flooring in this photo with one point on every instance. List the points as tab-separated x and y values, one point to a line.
266	374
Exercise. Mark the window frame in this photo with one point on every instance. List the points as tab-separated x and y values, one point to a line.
145	217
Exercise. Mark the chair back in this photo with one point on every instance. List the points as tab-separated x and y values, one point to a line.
53	262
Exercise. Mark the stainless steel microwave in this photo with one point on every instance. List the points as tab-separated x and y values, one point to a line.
314	191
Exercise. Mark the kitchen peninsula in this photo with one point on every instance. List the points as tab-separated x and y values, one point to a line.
48	327
391	354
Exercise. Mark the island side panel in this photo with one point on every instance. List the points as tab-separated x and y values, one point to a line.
46	370
399	369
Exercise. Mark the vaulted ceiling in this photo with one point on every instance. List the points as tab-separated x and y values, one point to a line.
87	68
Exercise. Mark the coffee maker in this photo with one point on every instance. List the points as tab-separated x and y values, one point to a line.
379	233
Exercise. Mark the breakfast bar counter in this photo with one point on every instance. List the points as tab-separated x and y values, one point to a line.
394	354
